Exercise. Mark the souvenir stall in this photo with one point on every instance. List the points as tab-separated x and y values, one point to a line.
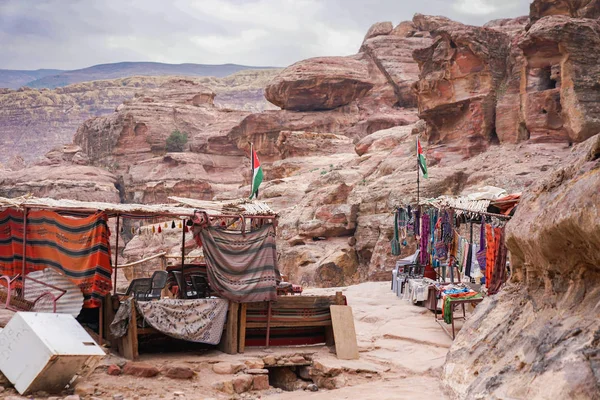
461	253
54	253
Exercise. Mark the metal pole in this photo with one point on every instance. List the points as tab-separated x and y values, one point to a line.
116	258
25	210
418	177
183	290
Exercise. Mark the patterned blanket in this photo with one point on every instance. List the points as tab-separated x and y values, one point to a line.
242	268
78	247
198	320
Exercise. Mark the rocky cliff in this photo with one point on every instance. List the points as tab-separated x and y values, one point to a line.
510	82
539	337
64	173
32	122
499	105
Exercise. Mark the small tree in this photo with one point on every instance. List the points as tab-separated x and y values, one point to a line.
176	141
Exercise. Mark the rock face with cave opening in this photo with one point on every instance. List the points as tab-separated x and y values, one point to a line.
539	338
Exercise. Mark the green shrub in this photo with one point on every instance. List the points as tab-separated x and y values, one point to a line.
176	141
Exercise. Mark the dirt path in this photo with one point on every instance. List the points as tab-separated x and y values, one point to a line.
395	335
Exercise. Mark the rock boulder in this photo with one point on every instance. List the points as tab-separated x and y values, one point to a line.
322	83
379	29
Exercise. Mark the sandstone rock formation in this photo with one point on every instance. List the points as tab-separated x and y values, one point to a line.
132	143
511	26
336	222
392	54
539	337
61	181
570	8
34	121
378	29
459	76
562	89
503	83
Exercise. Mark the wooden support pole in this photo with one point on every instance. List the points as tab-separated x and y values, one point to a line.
269	308
129	342
116	258
229	343
100	324
183	290
242	331
108	316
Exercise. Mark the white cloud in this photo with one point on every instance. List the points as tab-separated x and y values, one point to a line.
474	7
72	34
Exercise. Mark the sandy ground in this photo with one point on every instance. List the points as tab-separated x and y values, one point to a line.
401	350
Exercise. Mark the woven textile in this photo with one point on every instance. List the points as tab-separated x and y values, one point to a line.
242	268
498	275
197	320
120	323
78	247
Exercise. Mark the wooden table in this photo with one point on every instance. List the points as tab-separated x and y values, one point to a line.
453	305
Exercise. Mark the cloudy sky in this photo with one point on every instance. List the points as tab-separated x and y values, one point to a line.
69	34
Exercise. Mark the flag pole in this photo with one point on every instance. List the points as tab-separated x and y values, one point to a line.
418	176
251	168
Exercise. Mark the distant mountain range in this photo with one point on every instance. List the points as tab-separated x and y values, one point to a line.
53	78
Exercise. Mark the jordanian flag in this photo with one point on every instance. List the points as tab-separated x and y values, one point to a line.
257	175
421	159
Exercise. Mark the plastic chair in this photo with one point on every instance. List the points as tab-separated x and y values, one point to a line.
15	303
185	291
200	286
410	261
139	288
158	283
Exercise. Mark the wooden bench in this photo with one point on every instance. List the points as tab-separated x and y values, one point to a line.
303	304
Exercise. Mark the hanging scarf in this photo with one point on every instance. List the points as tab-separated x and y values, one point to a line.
469	254
499	273
423	255
395	244
490	255
481	254
441	251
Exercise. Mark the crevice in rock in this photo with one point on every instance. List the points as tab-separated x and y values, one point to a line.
120	186
387	75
